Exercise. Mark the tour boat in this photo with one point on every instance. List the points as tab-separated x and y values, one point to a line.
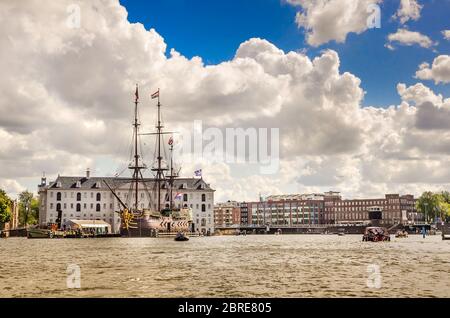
376	234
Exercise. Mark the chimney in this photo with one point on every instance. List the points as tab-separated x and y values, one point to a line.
88	173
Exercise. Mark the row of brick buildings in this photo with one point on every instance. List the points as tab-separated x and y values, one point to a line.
310	209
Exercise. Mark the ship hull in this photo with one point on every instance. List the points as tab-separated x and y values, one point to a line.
151	226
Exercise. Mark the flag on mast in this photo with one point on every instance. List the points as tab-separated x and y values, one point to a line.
198	173
178	196
171	141
156	94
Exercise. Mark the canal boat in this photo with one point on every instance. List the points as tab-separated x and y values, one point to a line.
376	234
36	233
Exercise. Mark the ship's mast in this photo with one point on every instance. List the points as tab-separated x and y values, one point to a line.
159	174
136	168
159	169
171	176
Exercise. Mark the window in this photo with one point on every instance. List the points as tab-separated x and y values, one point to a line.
97	208
58	196
51	194
92	206
203	222
78	196
92	195
71	205
99	196
203	197
65	206
51	206
84	206
185	197
78	207
203	207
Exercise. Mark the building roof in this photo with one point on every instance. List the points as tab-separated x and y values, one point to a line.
90	223
84	183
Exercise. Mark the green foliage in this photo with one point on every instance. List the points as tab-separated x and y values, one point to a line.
28	209
434	205
5	207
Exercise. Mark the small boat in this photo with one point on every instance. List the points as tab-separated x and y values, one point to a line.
181	237
376	234
341	232
39	233
401	234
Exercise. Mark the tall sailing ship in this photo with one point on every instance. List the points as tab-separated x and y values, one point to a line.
147	222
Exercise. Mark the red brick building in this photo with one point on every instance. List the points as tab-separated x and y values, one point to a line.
330	208
227	214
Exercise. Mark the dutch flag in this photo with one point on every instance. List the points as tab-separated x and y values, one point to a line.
198	173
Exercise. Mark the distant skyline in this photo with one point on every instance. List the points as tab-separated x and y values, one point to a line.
360	110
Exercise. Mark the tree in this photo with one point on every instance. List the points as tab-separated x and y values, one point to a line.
28	209
444	205
5	207
434	205
429	205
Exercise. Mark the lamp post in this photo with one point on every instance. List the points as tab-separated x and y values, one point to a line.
426	205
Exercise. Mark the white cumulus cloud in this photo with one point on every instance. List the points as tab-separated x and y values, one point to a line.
66	102
333	20
408	10
407	37
439	71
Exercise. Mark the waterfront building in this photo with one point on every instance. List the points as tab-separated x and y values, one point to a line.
284	212
329	208
393	209
88	198
244	213
227	214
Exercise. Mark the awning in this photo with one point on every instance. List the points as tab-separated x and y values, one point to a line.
90	223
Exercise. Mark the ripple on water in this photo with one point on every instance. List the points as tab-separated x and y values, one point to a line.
246	266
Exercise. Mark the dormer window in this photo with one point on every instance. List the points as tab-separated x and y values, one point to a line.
58	184
183	186
98	185
78	184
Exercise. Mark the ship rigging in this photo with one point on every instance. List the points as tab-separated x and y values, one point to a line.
135	220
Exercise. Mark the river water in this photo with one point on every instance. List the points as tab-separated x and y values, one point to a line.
226	266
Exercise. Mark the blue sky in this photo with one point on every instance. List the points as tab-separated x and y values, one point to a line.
214	30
